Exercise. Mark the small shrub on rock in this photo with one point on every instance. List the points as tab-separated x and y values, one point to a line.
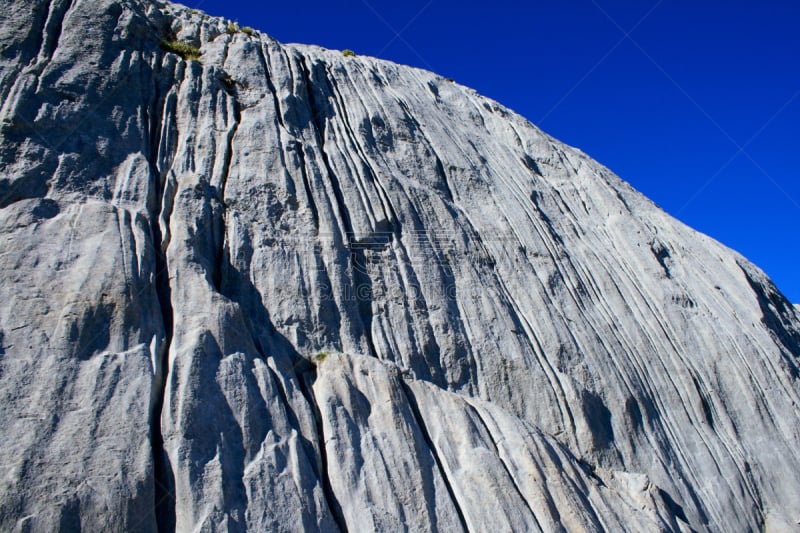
185	50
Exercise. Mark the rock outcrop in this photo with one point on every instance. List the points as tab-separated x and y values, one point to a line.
279	288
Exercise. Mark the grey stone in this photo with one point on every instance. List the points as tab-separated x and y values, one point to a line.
284	289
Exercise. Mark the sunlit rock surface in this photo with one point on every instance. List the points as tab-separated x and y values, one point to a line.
284	289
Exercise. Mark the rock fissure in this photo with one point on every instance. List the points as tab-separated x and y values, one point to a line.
362	283
164	497
775	315
387	208
57	12
271	86
441	173
318	119
163	476
220	222
306	381
502	461
537	350
423	428
299	149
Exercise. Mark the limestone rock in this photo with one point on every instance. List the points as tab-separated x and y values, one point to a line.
281	288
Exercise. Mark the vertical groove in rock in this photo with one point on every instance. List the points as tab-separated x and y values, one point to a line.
412	403
538	352
54	23
163	477
319	126
237	119
306	381
164	499
439	167
505	466
220	222
312	204
362	284
271	86
363	294
367	168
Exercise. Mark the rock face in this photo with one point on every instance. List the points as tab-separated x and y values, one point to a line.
284	289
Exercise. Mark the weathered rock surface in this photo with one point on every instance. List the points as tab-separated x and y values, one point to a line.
284	289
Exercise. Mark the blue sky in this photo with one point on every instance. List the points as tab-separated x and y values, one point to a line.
697	104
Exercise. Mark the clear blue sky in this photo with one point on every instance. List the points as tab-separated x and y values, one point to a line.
697	104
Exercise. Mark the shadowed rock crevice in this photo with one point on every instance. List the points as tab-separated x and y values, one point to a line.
161	199
298	150
663	256
777	315
53	27
673	506
165	503
598	418
306	379
536	200
221	215
704	402
269	342
363	294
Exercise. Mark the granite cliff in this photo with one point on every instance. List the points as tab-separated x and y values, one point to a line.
276	288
